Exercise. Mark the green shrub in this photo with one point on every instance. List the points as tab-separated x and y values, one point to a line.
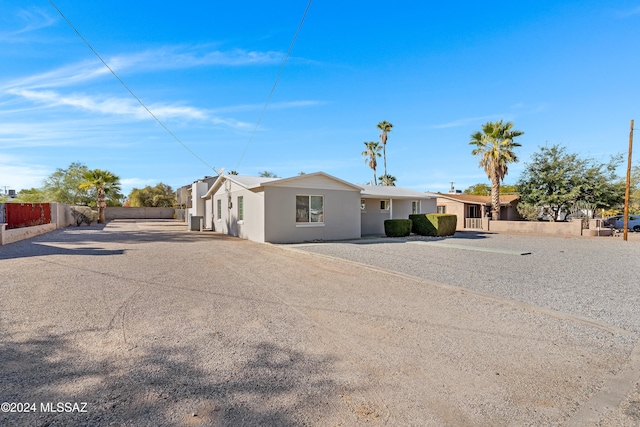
434	224
397	227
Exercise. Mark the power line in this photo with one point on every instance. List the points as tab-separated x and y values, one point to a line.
130	91
274	85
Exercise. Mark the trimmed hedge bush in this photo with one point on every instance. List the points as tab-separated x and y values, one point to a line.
397	227
434	224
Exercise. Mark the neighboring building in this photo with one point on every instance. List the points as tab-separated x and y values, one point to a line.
314	206
387	202
470	209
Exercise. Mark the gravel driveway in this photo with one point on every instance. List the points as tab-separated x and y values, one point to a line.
144	324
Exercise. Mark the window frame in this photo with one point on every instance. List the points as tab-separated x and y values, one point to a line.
385	205
441	209
415	207
240	201
309	222
219	209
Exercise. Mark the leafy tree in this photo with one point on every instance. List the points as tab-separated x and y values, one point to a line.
528	211
33	195
158	196
494	145
389	180
560	181
482	189
634	195
371	154
385	127
63	186
267	174
103	182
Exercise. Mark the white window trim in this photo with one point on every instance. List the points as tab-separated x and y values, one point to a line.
240	221
388	204
418	205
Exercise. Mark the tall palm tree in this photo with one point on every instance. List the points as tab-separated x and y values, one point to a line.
494	146
389	180
102	182
384	127
370	154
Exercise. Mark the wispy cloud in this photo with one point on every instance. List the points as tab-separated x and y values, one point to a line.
46	90
468	121
180	57
31	20
165	58
272	106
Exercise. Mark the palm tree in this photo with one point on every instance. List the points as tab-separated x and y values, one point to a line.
384	127
388	180
494	145
370	154
103	182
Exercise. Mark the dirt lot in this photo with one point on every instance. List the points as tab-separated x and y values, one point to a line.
148	324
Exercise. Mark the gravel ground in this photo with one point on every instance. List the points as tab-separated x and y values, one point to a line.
598	278
150	325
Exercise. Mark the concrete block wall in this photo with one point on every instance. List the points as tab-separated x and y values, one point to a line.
17	234
138	213
570	228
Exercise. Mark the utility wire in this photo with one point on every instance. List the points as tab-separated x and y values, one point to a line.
130	91
274	85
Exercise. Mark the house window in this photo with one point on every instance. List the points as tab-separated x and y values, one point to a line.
309	209
415	207
474	211
219	208
441	209
384	205
240	208
363	205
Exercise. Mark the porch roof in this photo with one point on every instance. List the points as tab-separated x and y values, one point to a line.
505	199
392	192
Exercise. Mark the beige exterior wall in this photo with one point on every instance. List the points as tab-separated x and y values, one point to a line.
454	208
341	213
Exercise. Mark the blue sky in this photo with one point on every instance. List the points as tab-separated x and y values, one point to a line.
565	72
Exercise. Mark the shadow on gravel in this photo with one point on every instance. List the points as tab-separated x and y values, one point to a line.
265	385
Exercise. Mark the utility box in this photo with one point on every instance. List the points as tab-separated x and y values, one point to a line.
195	223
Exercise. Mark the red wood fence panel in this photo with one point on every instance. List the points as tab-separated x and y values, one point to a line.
20	215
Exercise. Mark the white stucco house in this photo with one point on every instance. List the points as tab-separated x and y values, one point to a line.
314	206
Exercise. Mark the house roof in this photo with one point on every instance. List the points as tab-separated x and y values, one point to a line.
251	182
505	199
392	192
307	176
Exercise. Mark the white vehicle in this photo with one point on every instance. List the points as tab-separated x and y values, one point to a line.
618	222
